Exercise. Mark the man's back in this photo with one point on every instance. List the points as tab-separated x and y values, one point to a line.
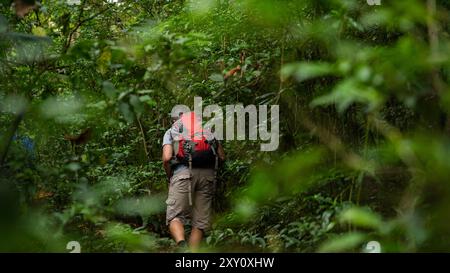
191	188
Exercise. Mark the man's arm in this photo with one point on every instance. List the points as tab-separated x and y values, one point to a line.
166	157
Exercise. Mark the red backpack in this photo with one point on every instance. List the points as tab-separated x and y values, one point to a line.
193	145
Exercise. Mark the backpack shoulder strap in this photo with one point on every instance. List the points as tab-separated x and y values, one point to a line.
175	145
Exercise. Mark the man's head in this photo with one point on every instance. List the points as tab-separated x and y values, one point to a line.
177	112
177	117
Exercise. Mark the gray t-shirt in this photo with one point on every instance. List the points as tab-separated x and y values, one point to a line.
167	139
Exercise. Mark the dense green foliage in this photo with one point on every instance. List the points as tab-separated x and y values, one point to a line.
364	124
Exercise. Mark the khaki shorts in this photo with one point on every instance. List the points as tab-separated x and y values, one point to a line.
201	186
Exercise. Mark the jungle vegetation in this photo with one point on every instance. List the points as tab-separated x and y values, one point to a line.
87	87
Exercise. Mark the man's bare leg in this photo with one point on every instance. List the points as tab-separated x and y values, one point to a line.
195	238
176	228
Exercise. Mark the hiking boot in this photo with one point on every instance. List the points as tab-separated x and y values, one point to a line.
182	247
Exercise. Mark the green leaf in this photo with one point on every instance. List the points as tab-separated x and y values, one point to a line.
147	99
361	217
137	105
216	77
200	7
61	109
350	91
109	89
343	243
144	206
14	104
3	24
304	71
126	112
39	31
145	91
73	166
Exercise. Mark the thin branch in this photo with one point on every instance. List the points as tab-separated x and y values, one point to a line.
37	17
79	24
9	137
143	138
433	39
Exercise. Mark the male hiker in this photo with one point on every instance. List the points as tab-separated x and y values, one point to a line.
190	157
